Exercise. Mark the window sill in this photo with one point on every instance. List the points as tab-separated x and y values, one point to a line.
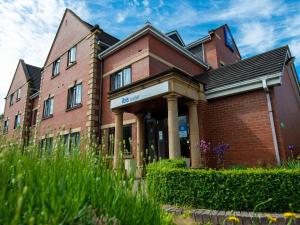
48	117
74	107
53	76
69	66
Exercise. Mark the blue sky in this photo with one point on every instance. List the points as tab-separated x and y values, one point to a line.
28	26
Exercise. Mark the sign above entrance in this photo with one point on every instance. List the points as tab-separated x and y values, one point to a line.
146	93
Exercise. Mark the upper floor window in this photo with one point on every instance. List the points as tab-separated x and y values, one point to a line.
48	108
72	56
56	68
5	126
17	121
11	99
121	78
18	94
74	96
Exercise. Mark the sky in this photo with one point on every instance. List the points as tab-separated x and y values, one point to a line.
28	27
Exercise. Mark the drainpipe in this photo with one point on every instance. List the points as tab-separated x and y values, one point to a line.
275	142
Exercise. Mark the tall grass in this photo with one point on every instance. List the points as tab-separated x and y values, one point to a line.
56	189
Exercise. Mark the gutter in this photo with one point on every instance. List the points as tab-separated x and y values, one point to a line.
270	110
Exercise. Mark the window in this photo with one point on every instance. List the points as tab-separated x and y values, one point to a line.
11	99
46	144
56	68
121	78
74	96
18	94
222	63
34	117
5	126
71	142
72	56
48	108
126	145
17	121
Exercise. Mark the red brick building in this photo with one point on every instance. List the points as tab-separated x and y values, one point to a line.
153	96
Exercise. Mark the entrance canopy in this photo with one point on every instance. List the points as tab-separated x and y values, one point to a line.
131	98
160	95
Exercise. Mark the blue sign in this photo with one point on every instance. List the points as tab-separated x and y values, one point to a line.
229	42
183	130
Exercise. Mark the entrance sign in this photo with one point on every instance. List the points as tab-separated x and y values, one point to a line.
228	39
146	93
183	131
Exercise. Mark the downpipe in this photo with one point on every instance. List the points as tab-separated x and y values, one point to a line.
271	117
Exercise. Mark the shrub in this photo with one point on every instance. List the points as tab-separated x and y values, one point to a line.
168	163
227	189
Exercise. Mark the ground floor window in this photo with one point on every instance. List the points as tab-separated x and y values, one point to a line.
46	145
71	142
5	126
17	121
127	140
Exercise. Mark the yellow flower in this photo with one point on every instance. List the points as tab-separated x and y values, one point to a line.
290	215
272	219
233	219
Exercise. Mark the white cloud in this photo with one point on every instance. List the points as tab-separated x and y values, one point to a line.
27	31
256	37
295	50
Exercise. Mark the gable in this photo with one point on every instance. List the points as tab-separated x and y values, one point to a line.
71	30
19	79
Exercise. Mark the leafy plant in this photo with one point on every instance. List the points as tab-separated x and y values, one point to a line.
56	188
239	190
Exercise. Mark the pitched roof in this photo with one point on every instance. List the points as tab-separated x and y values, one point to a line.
264	64
34	76
176	37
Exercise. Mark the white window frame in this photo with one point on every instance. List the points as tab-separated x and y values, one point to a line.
72	55
48	112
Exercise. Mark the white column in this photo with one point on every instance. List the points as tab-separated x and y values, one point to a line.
174	142
140	142
194	135
118	137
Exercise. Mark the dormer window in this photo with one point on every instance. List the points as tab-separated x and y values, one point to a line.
56	68
72	56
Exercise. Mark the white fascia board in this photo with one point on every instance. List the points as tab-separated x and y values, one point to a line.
199	41
147	29
244	86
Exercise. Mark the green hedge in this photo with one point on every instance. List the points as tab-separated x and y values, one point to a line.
168	163
226	189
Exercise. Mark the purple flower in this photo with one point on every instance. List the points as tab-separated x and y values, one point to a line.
220	149
204	146
291	147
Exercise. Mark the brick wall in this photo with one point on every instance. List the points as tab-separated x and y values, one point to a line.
286	106
19	81
72	32
242	121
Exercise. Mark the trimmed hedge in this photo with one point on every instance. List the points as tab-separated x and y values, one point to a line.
226	189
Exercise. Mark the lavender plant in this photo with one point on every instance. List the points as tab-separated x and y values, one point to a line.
219	151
